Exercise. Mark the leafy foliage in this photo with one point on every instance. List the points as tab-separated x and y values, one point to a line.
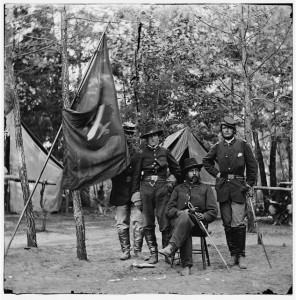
178	65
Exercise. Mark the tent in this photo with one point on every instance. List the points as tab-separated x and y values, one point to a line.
184	144
35	157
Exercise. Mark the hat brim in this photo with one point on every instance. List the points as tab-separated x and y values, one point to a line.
129	131
146	135
227	125
198	166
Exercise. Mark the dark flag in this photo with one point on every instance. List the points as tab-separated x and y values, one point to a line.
95	144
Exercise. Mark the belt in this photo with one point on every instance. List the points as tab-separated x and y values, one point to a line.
154	178
232	176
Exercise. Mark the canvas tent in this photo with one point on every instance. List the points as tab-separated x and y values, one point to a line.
35	156
184	144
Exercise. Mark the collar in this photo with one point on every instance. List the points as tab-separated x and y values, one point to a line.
153	148
191	184
230	142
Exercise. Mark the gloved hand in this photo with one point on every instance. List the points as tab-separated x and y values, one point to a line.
180	212
136	199
250	190
200	216
170	187
139	205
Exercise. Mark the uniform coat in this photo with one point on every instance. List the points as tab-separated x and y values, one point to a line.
199	194
154	194
154	161
122	183
234	158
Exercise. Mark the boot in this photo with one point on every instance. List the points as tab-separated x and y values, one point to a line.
241	238
150	237
165	241
186	271
138	242
233	261
124	239
167	251
230	234
242	262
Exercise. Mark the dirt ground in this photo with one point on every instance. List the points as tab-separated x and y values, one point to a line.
53	267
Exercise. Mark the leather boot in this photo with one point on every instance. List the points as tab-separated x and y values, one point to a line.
150	237
124	239
186	271
233	260
230	233
165	241
241	237
138	241
242	262
167	251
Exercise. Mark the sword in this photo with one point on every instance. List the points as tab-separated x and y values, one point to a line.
191	207
250	194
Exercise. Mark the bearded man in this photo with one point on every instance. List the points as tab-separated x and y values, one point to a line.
183	219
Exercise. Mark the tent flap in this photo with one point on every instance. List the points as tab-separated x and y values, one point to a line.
35	158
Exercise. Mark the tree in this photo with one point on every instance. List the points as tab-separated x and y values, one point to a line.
11	95
78	212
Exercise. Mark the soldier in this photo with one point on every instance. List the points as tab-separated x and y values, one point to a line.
150	188
183	219
234	157
120	197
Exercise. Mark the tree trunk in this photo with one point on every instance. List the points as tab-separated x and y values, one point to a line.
259	158
272	161
11	93
77	206
289	151
31	231
247	102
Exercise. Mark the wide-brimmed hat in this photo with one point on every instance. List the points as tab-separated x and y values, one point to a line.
229	122
150	130
190	163
129	127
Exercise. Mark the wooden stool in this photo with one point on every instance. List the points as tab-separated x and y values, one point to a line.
203	250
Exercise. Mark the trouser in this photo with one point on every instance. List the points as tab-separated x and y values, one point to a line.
233	215
126	215
154	196
182	229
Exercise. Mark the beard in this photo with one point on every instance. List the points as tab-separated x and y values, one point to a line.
194	179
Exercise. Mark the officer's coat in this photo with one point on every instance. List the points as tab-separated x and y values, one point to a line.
234	158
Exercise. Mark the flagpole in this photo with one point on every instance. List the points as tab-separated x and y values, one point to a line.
53	144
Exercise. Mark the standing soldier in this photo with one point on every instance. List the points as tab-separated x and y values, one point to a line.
234	157
150	188
120	197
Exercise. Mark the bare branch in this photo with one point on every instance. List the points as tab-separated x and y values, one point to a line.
230	89
219	29
36	38
270	101
23	54
272	54
100	21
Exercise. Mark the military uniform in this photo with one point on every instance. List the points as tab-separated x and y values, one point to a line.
149	178
237	167
125	210
183	225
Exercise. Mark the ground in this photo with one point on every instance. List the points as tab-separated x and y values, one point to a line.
53	267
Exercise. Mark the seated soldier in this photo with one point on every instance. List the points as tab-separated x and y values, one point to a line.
183	219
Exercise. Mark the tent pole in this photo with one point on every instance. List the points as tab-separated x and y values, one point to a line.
35	186
49	153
